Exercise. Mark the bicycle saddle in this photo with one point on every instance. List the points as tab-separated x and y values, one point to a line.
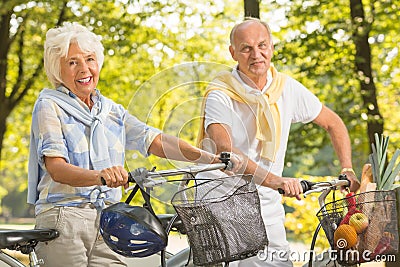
14	239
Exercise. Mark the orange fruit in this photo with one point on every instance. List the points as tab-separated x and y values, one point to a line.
345	237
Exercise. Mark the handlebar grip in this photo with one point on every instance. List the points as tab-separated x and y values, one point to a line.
344	177
130	179
305	185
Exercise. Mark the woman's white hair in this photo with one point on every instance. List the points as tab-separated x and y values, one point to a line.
57	45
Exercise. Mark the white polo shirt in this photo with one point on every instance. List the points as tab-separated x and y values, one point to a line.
296	104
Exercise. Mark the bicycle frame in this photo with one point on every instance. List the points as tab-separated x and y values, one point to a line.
11	261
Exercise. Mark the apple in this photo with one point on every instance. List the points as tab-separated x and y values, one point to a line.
359	221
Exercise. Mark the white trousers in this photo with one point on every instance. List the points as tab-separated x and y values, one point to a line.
276	255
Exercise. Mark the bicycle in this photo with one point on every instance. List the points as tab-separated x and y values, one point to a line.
24	241
135	231
358	247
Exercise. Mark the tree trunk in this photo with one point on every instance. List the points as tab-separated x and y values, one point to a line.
23	82
3	118
4	49
252	8
361	29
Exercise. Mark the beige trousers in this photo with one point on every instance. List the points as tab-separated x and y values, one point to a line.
80	242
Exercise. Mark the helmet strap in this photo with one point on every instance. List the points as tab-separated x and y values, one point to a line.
145	195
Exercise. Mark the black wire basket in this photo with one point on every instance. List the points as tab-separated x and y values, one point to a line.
223	220
362	228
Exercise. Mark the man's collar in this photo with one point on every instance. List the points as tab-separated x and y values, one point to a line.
235	73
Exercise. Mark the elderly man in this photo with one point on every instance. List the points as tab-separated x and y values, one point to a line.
249	110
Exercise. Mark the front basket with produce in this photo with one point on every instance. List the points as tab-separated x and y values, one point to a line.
363	227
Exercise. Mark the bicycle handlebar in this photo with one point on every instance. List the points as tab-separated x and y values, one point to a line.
145	177
322	187
172	172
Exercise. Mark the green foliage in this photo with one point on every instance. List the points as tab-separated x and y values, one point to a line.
140	41
384	175
147	44
314	44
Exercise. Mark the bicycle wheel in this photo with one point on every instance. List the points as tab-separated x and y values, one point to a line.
324	259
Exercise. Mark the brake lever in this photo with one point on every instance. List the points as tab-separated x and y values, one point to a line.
225	157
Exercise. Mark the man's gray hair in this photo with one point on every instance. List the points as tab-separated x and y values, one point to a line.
245	21
57	45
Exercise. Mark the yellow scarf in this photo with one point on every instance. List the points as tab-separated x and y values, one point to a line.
268	118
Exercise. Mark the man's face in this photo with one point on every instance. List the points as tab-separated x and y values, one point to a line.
79	71
252	49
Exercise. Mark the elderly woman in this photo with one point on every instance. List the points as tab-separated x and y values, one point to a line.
78	138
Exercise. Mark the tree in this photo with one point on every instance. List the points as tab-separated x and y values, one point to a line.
348	59
362	66
252	8
139	41
15	47
361	33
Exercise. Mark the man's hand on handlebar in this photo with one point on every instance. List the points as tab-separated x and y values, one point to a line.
291	187
308	186
354	183
287	186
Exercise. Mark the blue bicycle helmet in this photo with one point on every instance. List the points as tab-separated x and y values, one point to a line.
132	231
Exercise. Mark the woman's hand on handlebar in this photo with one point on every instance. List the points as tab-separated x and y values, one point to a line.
114	176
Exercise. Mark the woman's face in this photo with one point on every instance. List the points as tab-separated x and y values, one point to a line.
80	71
